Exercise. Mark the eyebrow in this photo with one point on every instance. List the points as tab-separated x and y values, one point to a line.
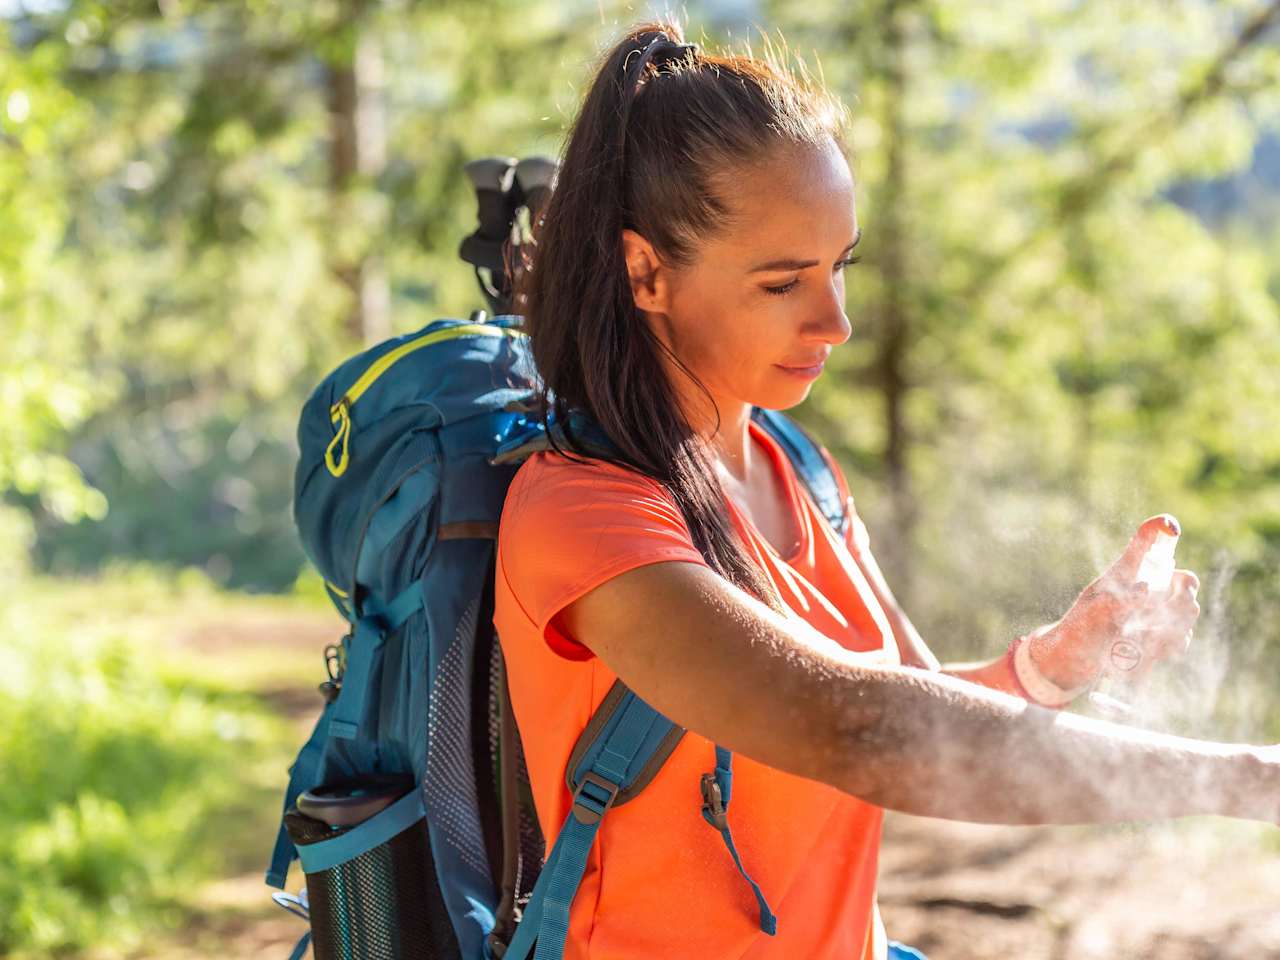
800	264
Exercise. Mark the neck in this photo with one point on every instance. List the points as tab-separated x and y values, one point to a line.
730	445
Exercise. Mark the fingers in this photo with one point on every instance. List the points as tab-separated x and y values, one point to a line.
1183	605
1125	569
1176	615
1184	580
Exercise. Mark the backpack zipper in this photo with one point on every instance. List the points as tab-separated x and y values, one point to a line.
340	412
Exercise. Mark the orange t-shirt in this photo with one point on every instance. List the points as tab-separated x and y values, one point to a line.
659	880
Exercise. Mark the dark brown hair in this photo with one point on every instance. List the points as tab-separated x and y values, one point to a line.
653	149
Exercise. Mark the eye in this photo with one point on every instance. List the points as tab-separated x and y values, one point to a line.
788	287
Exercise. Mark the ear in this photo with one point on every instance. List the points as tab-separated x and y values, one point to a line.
650	277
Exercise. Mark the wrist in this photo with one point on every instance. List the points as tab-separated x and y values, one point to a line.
1035	684
1058	655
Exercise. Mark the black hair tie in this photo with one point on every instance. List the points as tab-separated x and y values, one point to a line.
666	51
659	51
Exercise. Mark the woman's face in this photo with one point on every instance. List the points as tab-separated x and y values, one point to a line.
768	292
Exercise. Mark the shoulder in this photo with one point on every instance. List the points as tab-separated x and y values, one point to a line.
551	465
592	505
552	480
568	526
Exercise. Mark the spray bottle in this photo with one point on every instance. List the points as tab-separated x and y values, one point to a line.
1116	687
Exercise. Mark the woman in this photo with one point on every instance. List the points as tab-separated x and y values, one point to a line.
690	264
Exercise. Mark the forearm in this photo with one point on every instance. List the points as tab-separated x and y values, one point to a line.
928	744
995	674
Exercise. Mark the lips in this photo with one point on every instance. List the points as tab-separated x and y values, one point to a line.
805	364
807	373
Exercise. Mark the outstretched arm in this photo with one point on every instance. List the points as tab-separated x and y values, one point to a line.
724	665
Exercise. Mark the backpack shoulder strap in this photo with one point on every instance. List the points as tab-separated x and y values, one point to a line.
623	748
812	467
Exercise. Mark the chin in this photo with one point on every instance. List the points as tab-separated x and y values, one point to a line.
781	400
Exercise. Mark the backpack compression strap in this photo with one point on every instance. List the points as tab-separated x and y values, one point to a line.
341	717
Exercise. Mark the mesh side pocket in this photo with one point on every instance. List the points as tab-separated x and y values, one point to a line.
382	903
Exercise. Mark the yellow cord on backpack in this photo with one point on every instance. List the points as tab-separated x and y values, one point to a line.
341	415
340	412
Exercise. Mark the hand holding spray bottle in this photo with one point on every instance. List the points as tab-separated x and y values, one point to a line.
1116	686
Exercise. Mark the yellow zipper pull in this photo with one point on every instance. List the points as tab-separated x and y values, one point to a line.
341	415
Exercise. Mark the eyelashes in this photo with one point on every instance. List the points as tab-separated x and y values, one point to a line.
788	287
779	291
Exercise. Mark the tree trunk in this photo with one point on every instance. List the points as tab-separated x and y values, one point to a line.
357	151
895	327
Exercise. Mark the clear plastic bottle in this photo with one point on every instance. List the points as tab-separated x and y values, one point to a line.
1115	689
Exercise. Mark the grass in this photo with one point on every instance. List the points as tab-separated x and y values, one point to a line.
143	747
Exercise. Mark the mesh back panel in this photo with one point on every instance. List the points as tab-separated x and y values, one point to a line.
381	905
450	782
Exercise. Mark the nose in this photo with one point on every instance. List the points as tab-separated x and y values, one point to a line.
833	324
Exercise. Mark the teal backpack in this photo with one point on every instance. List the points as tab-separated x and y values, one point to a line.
409	807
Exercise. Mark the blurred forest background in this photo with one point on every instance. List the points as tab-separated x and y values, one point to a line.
1067	318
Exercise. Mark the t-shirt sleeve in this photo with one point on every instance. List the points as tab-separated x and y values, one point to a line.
856	536
567	527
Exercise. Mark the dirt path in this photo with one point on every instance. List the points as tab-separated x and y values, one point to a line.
1201	889
1195	889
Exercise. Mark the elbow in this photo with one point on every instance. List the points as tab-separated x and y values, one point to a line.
860	747
867	767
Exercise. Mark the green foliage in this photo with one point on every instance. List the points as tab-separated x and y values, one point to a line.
46	389
213	494
1047	347
122	778
1081	352
169	195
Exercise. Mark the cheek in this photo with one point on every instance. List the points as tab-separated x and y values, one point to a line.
732	343
748	357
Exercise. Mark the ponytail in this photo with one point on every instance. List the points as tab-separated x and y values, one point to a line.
658	128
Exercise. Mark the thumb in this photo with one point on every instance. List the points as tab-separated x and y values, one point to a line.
1125	569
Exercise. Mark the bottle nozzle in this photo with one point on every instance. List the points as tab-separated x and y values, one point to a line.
1156	569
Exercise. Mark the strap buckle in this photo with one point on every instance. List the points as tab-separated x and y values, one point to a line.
335	665
335	658
713	810
588	814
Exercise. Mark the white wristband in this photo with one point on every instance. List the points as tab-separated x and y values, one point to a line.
1042	690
